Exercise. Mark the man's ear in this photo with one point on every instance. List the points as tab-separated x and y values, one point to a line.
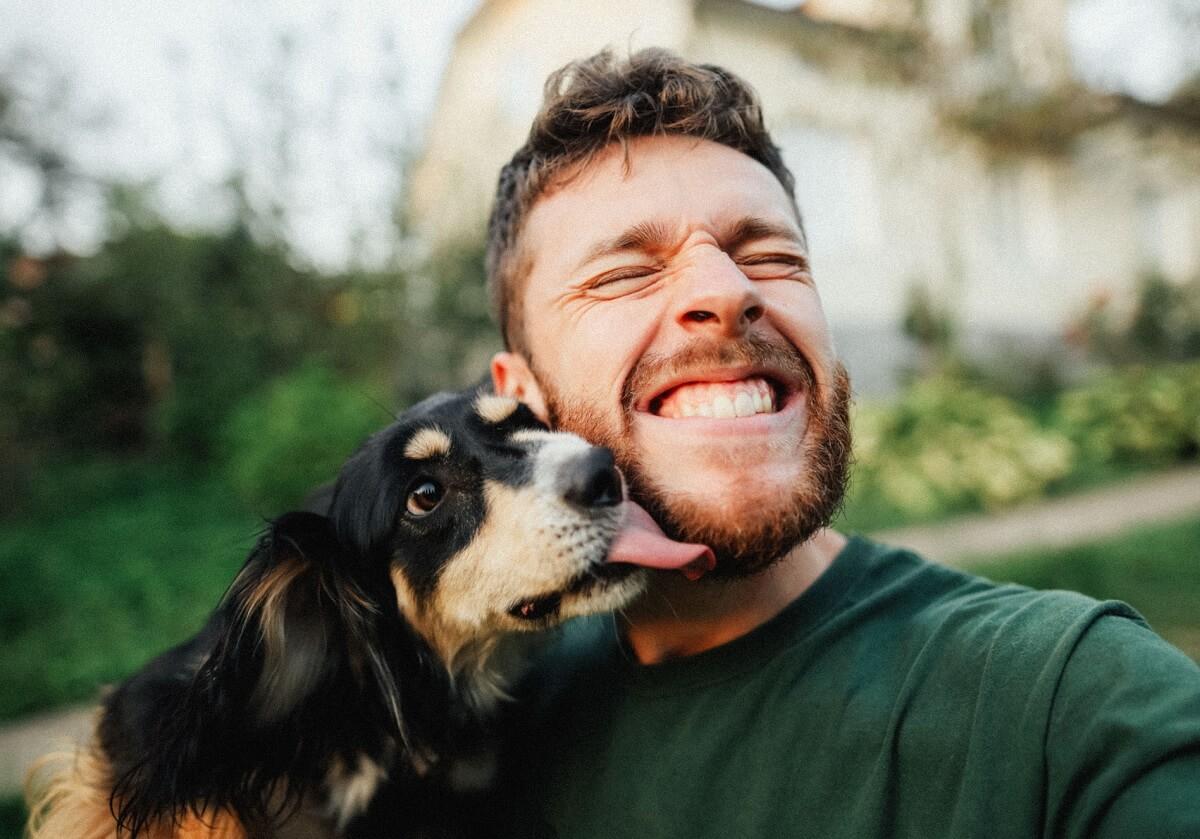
512	376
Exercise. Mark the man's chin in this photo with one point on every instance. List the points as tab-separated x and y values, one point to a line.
747	533
750	511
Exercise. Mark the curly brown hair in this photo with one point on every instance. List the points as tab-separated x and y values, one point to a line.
592	103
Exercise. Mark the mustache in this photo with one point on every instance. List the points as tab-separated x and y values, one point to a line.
701	353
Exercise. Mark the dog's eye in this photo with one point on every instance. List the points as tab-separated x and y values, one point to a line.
423	498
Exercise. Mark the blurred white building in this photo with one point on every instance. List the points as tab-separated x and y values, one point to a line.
941	142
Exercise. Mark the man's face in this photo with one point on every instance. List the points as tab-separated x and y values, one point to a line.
670	314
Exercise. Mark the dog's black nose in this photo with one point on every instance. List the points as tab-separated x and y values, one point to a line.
593	480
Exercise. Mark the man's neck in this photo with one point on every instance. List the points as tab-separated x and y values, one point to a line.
678	618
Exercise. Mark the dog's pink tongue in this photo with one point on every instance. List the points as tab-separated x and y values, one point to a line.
642	542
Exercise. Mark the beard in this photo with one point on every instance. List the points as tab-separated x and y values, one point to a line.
751	540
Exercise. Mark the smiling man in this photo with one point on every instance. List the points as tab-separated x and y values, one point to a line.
650	274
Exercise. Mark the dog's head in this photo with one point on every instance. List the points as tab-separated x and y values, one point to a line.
487	523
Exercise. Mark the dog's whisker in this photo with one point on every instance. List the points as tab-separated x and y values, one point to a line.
667	602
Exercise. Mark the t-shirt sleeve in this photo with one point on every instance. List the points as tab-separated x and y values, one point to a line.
1123	739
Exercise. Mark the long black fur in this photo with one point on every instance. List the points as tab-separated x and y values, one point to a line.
205	728
183	739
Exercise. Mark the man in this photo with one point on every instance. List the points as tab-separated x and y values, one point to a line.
649	271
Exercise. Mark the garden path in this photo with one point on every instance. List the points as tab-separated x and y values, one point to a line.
1054	523
1058	522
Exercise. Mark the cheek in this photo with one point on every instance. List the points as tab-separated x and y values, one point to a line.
797	313
495	569
529	546
591	350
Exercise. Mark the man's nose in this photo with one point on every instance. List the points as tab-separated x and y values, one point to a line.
718	298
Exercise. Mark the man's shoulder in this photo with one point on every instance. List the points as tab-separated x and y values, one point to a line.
940	599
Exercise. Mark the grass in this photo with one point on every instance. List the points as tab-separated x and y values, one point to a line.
1155	569
112	564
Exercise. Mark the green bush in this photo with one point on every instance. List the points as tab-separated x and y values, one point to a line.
292	436
115	562
1161	323
444	335
946	446
152	341
1144	415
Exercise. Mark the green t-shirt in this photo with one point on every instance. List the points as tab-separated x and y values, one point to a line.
894	698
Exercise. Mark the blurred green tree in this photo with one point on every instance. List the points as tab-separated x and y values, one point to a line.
153	340
1160	324
446	335
293	435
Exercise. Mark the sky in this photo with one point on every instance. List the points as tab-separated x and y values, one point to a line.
179	93
318	100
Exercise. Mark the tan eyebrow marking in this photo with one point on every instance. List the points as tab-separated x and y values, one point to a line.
495	409
427	443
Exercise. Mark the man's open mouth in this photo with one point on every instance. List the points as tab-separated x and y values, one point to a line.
745	397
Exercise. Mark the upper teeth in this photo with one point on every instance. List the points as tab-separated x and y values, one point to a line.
720	400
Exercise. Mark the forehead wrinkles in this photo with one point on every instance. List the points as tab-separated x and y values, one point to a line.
641	176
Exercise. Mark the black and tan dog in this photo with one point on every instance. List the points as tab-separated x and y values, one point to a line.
347	683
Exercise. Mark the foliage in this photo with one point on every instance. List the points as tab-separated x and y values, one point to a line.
1136	414
947	446
930	324
153	340
37	111
69	358
114	564
970	433
293	435
1163	324
446	335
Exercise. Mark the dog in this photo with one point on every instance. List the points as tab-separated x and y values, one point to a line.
350	681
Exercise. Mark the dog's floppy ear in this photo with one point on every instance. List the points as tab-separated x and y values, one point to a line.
289	615
294	641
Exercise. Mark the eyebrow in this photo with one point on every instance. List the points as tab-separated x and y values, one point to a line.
753	228
654	235
646	236
428	443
